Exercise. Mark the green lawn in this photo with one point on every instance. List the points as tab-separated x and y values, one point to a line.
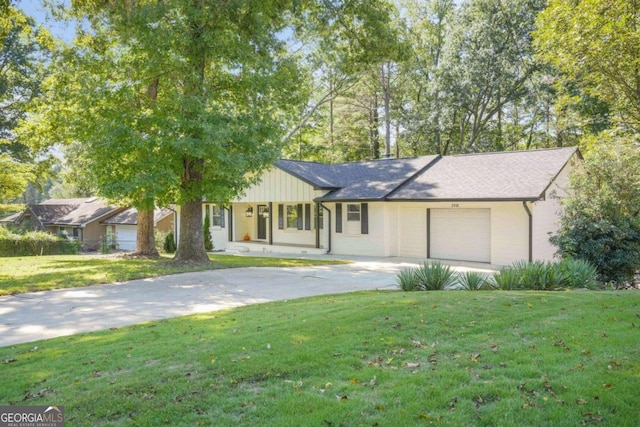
449	358
28	274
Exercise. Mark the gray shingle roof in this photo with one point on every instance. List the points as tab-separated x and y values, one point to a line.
368	180
514	175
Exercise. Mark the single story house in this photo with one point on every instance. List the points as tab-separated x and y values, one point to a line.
121	229
78	219
493	208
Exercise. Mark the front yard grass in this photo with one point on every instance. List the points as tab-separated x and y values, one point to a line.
377	358
30	274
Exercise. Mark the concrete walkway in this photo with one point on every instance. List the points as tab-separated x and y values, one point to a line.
40	315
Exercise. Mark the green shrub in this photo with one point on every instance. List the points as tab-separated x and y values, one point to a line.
580	273
169	245
407	280
507	279
473	281
434	276
208	243
35	243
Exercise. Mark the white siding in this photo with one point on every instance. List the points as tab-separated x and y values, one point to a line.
546	215
355	243
412	231
279	186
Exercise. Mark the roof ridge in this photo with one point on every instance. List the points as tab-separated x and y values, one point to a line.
414	175
536	150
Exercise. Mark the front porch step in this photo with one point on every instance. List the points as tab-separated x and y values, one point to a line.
266	248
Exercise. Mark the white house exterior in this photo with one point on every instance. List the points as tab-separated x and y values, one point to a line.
493	208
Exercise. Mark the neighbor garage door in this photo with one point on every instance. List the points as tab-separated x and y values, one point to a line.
460	234
126	235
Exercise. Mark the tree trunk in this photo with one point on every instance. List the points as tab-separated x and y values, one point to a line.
145	239
191	242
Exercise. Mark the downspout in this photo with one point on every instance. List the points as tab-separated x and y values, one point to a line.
526	208
329	233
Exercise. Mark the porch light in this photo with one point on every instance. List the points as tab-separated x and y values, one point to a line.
249	212
265	213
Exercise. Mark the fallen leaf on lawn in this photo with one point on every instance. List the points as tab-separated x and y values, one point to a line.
345	397
424	417
586	352
474	357
581	401
529	305
381	408
607	385
7	361
354	381
412	365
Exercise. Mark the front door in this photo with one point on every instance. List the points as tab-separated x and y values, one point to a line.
262	222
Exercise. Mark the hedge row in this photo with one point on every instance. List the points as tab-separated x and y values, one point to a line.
35	243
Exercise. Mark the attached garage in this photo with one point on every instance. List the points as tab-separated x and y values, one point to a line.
459	234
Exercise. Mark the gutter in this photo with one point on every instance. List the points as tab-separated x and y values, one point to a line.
329	239
526	208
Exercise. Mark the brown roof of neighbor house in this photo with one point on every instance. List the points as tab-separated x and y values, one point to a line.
130	216
11	218
72	212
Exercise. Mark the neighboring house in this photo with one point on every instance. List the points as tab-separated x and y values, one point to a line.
492	208
78	219
122	227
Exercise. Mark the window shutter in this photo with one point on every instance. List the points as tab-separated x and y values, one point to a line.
307	216
223	213
338	217
281	217
299	215
364	218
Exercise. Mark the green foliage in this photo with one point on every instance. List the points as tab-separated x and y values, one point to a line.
206	226
600	221
387	359
546	276
580	37
34	243
407	279
169	245
507	279
431	276
473	281
580	273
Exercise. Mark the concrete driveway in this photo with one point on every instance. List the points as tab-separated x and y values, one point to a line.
40	315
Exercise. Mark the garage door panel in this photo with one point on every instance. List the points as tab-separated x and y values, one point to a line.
460	234
126	236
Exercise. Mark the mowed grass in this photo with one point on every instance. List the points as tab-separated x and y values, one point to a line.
29	274
374	359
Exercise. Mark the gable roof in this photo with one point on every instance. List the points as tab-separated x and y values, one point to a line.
513	175
72	212
130	216
369	180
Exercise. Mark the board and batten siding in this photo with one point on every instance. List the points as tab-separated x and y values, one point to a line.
279	187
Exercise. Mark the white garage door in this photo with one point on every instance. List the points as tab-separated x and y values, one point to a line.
461	234
413	232
126	237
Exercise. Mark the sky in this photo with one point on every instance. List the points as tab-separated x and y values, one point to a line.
36	10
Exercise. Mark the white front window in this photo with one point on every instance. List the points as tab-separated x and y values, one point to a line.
353	212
